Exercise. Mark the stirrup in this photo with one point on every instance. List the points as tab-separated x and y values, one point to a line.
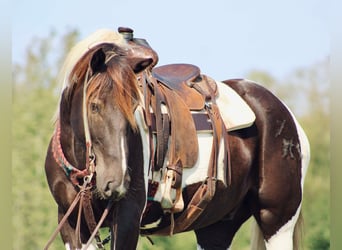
166	202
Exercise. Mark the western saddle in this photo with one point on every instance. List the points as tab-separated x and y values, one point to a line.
179	103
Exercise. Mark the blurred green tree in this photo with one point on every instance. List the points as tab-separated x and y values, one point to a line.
34	101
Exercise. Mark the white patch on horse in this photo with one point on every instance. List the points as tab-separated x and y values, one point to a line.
91	247
305	152
152	225
199	247
121	189
283	239
139	118
304	148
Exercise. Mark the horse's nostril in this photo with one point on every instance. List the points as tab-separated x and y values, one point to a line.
108	186
108	190
112	190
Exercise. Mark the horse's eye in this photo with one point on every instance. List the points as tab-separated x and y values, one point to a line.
94	107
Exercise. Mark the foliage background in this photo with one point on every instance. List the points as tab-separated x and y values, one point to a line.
35	98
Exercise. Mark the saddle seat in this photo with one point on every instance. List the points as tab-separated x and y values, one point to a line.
186	80
174	74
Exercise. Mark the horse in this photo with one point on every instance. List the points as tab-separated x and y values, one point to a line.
104	148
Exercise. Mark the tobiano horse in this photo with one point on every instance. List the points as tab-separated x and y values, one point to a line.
156	149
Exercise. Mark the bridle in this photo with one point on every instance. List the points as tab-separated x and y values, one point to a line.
83	197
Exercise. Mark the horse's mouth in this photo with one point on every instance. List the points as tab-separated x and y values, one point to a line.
109	195
113	191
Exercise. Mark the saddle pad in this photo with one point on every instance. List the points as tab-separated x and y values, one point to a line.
235	112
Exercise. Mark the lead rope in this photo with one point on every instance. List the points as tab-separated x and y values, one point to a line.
103	217
67	214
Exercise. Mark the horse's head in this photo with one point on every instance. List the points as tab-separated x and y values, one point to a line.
107	76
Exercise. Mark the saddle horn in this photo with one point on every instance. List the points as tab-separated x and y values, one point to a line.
140	54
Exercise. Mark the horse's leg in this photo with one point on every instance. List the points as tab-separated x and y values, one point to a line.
287	237
128	210
279	219
219	235
67	232
126	228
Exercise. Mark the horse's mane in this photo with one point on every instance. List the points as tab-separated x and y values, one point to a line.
118	74
82	47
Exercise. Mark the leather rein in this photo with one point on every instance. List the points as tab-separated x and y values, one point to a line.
83	197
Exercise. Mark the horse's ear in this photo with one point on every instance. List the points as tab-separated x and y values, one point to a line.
97	62
139	64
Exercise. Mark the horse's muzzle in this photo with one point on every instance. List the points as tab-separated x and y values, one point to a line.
114	189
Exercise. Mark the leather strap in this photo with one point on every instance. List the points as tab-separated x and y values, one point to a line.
178	171
161	121
201	120
197	205
162	125
90	218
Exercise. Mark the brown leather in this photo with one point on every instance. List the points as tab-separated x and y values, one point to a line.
201	120
174	74
139	51
182	89
182	126
206	86
175	77
220	135
162	127
177	176
197	205
206	192
90	218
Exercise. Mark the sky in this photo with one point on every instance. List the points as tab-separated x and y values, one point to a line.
225	38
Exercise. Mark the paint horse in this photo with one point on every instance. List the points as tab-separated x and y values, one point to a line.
166	149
